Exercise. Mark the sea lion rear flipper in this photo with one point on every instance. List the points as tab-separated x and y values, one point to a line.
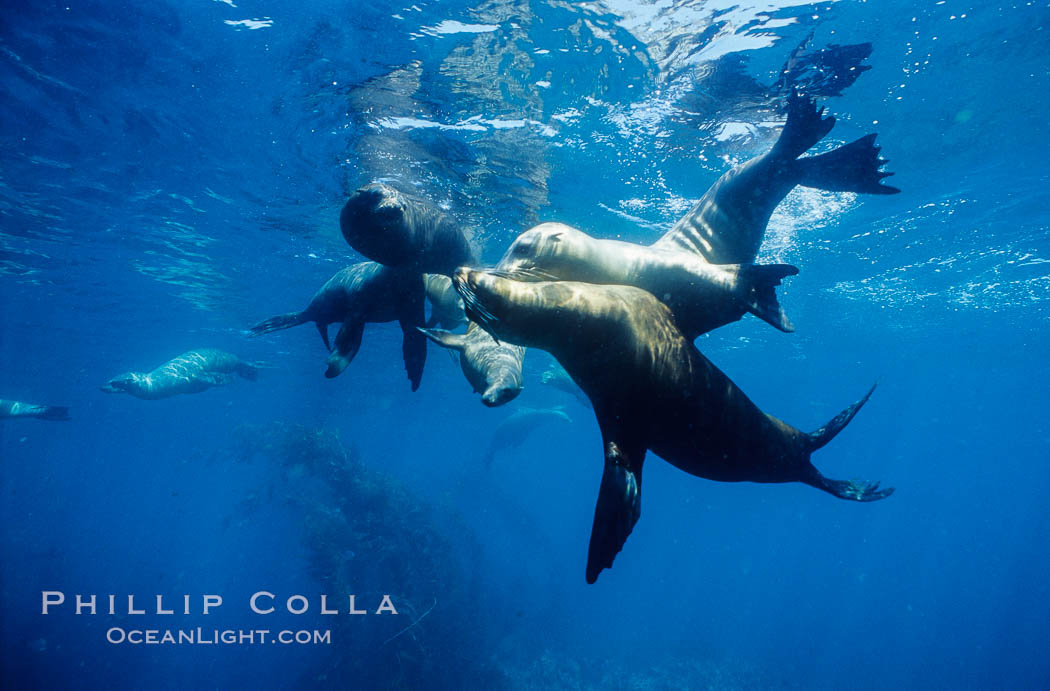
52	412
760	282
852	167
347	343
281	321
855	490
618	509
805	126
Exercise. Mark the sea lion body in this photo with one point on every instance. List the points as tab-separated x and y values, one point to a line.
702	296
10	409
493	369
363	293
728	223
513	430
651	390
192	372
398	230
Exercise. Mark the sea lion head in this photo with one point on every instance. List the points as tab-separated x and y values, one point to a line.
374	222
509	309
124	383
541	252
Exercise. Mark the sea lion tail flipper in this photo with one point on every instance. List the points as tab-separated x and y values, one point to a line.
852	167
281	321
805	126
52	412
618	509
820	438
250	370
760	281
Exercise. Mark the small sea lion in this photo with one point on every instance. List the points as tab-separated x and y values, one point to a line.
357	295
396	229
727	225
446	306
192	372
556	376
492	368
651	390
518	426
701	295
43	412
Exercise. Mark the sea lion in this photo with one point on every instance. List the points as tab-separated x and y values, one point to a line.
43	412
518	426
492	368
556	376
192	372
651	390
359	294
395	229
446	306
727	225
701	295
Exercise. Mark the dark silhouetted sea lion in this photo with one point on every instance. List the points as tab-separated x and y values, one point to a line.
191	372
518	426
651	390
395	229
43	412
702	296
492	368
727	225
359	294
446	306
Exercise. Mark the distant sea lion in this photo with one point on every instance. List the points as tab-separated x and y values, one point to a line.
395	229
556	376
359	294
43	412
446	306
192	372
701	295
727	225
651	390
492	368
518	426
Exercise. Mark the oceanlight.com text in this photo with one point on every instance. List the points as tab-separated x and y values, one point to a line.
201	636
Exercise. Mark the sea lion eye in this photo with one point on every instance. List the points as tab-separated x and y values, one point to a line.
521	248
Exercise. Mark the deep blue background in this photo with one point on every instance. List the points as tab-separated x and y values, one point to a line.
168	179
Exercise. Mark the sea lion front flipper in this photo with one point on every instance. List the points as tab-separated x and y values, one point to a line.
323	330
347	343
760	282
413	314
414	350
618	509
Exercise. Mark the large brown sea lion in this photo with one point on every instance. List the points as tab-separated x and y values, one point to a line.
651	390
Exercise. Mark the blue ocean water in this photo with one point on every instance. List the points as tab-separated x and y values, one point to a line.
172	173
